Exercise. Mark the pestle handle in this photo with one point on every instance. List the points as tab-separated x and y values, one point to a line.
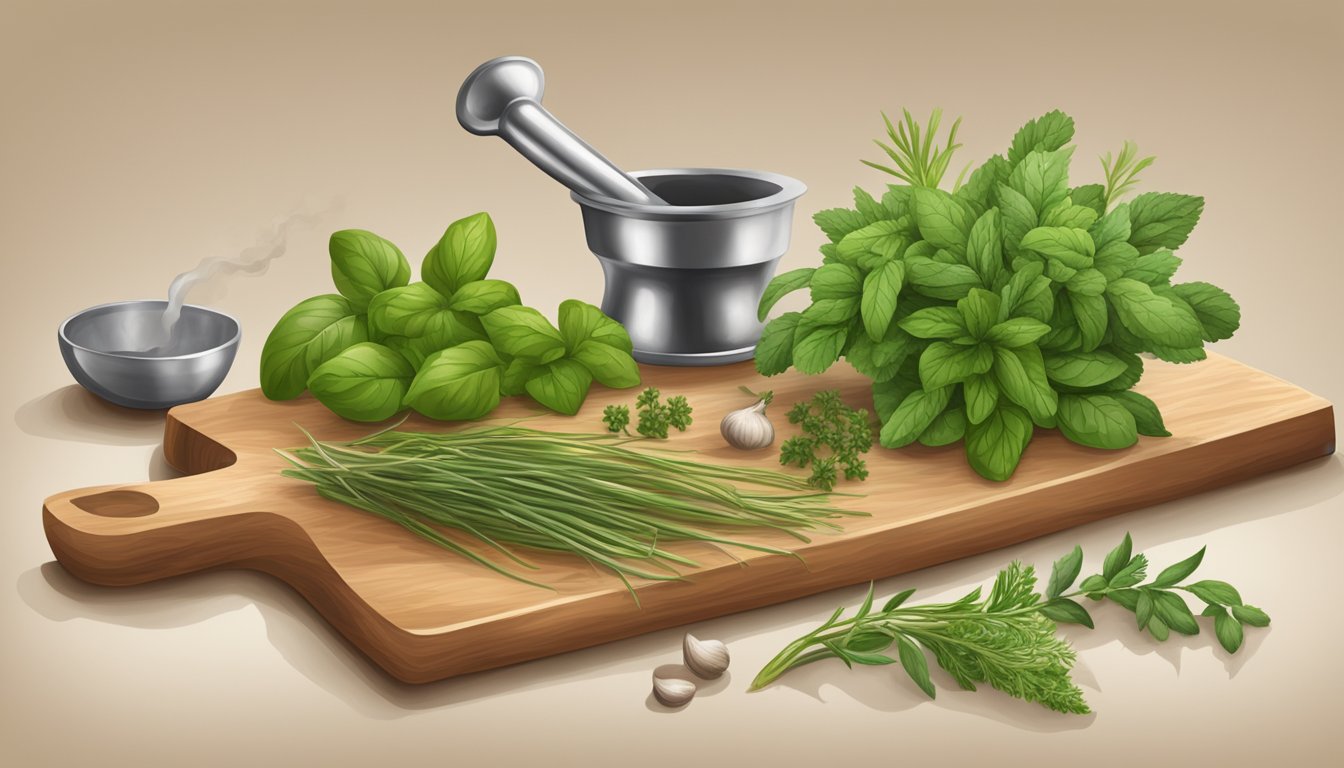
502	97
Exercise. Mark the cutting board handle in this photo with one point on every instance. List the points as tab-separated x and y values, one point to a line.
131	534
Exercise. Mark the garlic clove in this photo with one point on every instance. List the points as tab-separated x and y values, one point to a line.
706	658
672	692
748	429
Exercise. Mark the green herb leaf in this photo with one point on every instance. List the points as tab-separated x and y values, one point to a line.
982	397
1046	133
1173	611
1066	611
1016	332
1227	629
580	322
914	415
1147	418
365	382
1064	572
995	446
524	333
1177	573
897	600
364	265
935	323
562	387
463	255
836	281
1249	614
948	427
984	247
774	352
838	222
915	665
939	280
816	347
1083	369
1217	311
781	286
880	290
1162	220
1042	178
883	239
980	310
1097	421
942	219
311	333
458	384
483	297
1215	592
943	363
609	365
1020	374
1117	558
1154	268
1071	247
418	310
1153	317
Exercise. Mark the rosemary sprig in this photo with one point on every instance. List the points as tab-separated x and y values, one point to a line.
919	162
1122	172
1008	640
587	495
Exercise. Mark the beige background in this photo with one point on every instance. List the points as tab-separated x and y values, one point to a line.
137	137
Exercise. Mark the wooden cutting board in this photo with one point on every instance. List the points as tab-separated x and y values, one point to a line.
423	614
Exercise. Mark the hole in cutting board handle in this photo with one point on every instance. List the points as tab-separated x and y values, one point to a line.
118	504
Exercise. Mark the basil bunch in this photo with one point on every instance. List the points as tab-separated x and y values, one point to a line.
448	347
1013	302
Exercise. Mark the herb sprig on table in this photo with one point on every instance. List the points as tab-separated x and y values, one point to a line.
1014	301
834	438
1009	639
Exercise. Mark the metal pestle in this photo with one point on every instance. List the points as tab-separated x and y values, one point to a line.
502	97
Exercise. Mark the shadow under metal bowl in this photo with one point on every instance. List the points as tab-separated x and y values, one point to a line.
104	347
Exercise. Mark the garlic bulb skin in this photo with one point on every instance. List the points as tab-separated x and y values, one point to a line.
706	658
672	692
748	429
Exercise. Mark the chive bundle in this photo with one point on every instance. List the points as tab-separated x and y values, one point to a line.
586	495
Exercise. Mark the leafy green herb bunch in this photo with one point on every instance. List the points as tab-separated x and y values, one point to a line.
1011	302
448	347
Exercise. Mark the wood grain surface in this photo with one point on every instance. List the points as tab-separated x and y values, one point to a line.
424	614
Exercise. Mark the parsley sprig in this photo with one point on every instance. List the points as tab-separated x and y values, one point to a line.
834	436
655	417
1009	639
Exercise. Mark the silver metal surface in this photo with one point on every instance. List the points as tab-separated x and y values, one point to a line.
685	278
503	97
103	348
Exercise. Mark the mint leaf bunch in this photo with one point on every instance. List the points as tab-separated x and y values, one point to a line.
1012	302
448	347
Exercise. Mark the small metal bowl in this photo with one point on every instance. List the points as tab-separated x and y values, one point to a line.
99	346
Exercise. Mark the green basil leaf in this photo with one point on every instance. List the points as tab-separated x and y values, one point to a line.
1090	196
1249	614
1175	574
832	311
1113	260
413	310
1093	584
979	189
1097	421
942	219
982	397
934	323
1147	418
947	427
1083	369
1156	268
1042	178
516	375
1152	317
366	382
309	334
817	346
868	208
774	352
1066	611
1217	311
1017	218
1162	220
888	395
1143	609
980	309
995	446
838	222
523	332
1087	282
836	281
881	288
939	280
364	265
1046	133
1113	227
915	665
463	255
581	321
1020	374
483	297
1064	572
610	366
1071	247
1117	558
1227	629
562	387
1173	612
984	247
1158	629
1091	316
942	363
914	415
885	239
781	286
1017	332
1066	214
1215	592
458	384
